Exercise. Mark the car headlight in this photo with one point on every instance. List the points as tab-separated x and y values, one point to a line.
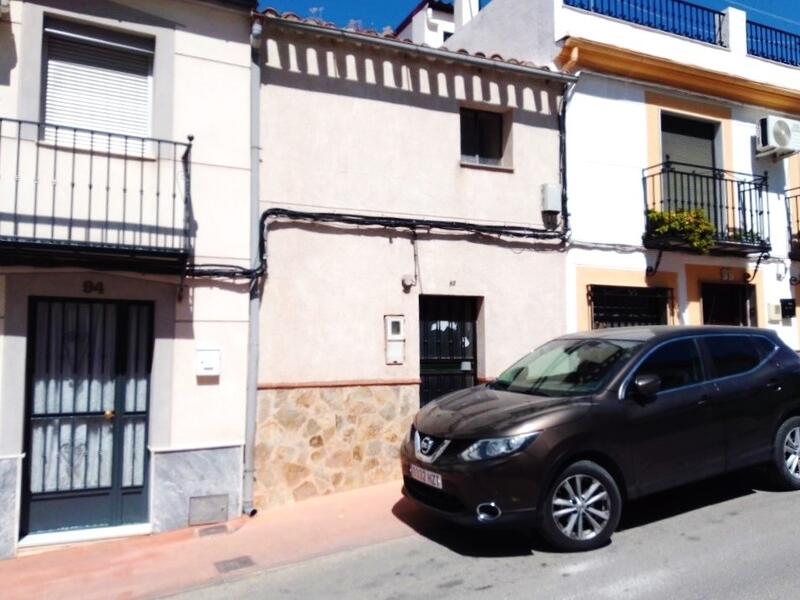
497	447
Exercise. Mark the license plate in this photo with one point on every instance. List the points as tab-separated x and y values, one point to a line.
427	477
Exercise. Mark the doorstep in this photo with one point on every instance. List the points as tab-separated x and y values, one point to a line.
52	540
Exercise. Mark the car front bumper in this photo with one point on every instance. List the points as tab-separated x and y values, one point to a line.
506	483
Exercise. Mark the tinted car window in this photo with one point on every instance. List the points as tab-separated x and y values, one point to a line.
764	345
676	363
732	354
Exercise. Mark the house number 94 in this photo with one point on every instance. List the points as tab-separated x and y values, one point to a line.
93	287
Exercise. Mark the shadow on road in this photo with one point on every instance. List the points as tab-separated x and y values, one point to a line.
467	541
695	496
488	543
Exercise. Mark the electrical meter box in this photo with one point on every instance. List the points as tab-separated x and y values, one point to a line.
394	327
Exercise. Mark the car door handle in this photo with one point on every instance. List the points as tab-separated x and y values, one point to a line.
775	385
703	400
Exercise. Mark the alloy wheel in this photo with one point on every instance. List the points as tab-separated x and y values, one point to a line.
581	506
791	452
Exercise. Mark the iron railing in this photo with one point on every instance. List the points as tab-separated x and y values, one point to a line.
92	190
673	16
793	218
732	202
773	44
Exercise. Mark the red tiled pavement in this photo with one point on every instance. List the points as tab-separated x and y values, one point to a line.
166	563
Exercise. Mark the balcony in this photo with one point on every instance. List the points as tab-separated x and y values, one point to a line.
773	44
793	214
672	16
695	208
106	201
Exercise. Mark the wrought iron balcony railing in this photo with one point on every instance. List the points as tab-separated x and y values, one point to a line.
727	206
72	195
672	16
793	217
773	44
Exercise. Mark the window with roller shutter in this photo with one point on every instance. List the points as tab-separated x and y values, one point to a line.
97	81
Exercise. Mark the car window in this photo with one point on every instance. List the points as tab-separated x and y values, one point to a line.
765	346
567	367
676	363
732	354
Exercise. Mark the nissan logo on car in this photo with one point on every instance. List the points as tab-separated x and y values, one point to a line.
426	445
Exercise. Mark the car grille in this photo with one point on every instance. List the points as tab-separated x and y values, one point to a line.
432	497
429	447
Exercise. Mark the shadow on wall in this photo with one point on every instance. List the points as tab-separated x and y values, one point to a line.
8	52
168	15
377	74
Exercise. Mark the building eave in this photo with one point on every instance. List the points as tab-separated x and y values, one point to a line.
495	62
578	54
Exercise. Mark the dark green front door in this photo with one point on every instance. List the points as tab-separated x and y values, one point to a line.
88	392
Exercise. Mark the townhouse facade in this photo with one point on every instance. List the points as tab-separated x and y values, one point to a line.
413	259
122	378
678	216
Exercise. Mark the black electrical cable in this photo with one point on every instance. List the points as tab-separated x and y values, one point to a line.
237	272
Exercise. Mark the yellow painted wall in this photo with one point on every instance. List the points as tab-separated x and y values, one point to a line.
586	276
696	275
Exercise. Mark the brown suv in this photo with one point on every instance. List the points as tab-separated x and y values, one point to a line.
587	420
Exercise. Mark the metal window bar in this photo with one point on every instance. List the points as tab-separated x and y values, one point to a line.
733	202
793	219
75	163
679	17
773	44
615	306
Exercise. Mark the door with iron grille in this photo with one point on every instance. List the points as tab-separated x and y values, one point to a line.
88	391
618	306
448	345
729	304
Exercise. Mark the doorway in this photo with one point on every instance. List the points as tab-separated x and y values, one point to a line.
729	304
448	345
87	401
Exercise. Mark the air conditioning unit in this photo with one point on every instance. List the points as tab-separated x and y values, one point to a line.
778	137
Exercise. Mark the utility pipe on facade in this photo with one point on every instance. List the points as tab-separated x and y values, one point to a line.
253	334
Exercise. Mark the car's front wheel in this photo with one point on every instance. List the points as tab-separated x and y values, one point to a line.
786	454
582	508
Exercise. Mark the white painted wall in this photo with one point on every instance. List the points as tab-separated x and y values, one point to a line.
428	27
607	151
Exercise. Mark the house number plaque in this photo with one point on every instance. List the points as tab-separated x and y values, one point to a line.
93	287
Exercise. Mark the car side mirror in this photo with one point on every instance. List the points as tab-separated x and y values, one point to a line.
647	386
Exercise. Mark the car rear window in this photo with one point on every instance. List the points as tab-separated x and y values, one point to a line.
765	346
732	354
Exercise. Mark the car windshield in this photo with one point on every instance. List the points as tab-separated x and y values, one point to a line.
567	367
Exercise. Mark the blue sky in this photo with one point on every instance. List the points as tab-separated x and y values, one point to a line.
377	14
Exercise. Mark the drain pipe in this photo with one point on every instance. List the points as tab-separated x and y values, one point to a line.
251	411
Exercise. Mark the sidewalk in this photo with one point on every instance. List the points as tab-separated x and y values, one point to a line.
167	563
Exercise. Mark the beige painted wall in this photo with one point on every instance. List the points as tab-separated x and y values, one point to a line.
359	129
201	88
328	291
356	129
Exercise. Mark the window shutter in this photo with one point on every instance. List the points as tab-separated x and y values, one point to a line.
100	88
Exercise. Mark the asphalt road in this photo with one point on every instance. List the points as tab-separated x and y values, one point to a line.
732	537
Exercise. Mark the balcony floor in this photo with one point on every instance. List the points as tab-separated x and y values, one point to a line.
101	257
720	248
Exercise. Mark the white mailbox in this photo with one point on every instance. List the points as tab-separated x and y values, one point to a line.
208	361
394	327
